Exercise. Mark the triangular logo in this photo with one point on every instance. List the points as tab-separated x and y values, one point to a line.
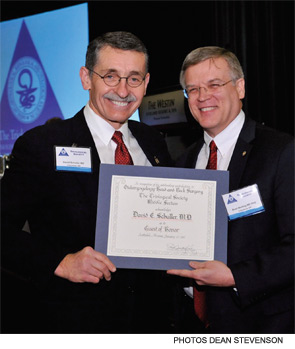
231	199
63	152
28	99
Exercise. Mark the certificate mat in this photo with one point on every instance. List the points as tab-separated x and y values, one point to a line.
159	217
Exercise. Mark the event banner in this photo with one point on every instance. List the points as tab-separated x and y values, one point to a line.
40	60
161	218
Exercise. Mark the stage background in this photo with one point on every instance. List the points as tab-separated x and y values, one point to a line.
261	33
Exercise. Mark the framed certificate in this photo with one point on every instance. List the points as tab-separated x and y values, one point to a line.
161	218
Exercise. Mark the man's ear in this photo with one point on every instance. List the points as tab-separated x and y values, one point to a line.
146	82
85	78
240	86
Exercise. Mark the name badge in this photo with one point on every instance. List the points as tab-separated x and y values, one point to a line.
243	202
73	159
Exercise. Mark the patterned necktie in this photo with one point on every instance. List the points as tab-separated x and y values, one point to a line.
212	162
200	295
122	155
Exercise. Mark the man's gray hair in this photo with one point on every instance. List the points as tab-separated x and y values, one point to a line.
120	40
211	52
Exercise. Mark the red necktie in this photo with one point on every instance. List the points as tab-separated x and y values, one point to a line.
212	161
200	296
122	155
200	305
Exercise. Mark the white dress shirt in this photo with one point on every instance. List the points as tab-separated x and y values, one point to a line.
102	133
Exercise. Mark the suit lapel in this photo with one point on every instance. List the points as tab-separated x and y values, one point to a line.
82	137
194	155
145	143
241	153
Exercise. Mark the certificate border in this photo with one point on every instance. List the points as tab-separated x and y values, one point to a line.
103	212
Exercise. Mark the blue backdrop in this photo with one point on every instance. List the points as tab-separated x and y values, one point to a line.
40	60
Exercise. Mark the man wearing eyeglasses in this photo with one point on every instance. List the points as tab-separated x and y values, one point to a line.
254	292
79	289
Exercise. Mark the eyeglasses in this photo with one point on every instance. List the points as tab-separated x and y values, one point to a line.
113	79
211	88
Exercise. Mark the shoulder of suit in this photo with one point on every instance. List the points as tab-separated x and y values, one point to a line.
255	132
132	124
272	137
141	129
54	131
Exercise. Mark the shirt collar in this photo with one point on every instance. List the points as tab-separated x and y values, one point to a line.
102	128
225	139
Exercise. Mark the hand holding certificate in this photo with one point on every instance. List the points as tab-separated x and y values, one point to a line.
160	218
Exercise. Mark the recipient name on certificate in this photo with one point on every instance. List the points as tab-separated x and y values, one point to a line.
163	218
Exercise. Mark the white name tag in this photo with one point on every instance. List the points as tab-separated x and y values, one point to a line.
73	159
243	202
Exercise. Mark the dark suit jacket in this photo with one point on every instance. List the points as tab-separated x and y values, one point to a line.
260	247
61	210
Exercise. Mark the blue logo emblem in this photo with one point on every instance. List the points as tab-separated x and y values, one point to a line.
231	199
26	89
63	152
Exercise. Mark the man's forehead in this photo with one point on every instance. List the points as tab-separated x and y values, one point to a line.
213	63
212	68
109	51
115	59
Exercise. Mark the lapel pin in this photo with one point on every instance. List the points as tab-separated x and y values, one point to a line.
156	160
244	153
